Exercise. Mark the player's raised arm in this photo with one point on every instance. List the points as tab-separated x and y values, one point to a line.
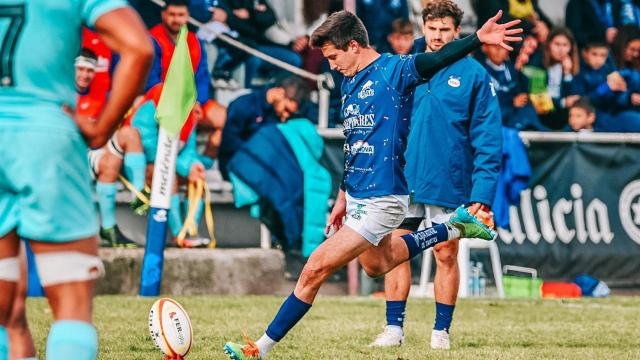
491	32
123	31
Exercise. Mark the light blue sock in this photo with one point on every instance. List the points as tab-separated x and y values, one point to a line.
4	343
107	203
135	165
70	339
175	215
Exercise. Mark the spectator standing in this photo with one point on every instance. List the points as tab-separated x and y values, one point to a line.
377	16
534	20
591	21
175	14
400	40
626	12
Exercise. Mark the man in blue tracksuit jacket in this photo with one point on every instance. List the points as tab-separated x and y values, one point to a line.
453	157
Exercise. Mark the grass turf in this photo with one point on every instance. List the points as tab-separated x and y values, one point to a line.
341	328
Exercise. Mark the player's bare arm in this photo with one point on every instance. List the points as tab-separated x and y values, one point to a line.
123	31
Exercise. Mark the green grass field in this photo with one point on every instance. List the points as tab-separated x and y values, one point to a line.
341	328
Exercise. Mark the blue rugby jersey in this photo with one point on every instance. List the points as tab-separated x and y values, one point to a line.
376	106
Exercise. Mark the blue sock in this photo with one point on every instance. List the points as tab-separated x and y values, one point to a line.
135	165
175	215
291	311
444	315
395	312
70	339
107	203
419	241
4	343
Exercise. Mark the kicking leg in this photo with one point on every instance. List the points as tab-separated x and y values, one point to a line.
344	246
392	251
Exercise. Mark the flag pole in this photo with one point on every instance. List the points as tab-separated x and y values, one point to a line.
176	101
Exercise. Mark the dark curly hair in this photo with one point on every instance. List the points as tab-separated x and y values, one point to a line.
438	9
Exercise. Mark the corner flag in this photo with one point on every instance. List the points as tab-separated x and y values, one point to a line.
176	101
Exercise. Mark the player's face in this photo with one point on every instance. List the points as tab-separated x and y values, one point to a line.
580	119
84	76
438	32
345	62
596	57
400	43
174	17
559	48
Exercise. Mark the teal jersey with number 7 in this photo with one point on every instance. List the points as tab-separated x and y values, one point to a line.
39	40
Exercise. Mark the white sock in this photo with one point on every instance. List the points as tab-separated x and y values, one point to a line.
265	343
454	232
396	329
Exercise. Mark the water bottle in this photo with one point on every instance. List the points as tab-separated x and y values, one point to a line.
470	282
482	280
474	280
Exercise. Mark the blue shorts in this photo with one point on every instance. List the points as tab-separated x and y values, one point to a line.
45	187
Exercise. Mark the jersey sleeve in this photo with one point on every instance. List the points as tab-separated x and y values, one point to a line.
400	72
93	9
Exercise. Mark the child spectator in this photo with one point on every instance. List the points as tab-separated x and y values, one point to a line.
512	88
582	116
626	48
551	90
400	40
597	79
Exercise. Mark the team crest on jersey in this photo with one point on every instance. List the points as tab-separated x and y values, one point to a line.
454	81
366	90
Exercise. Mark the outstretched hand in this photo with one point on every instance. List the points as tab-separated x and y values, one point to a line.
493	33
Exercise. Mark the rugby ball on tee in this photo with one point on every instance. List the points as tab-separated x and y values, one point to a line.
170	328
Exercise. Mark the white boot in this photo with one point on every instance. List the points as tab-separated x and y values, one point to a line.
390	336
440	340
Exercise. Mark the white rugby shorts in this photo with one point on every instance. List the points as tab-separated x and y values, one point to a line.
376	217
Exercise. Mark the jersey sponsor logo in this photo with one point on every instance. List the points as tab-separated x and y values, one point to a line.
366	90
359	147
454	81
359	121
